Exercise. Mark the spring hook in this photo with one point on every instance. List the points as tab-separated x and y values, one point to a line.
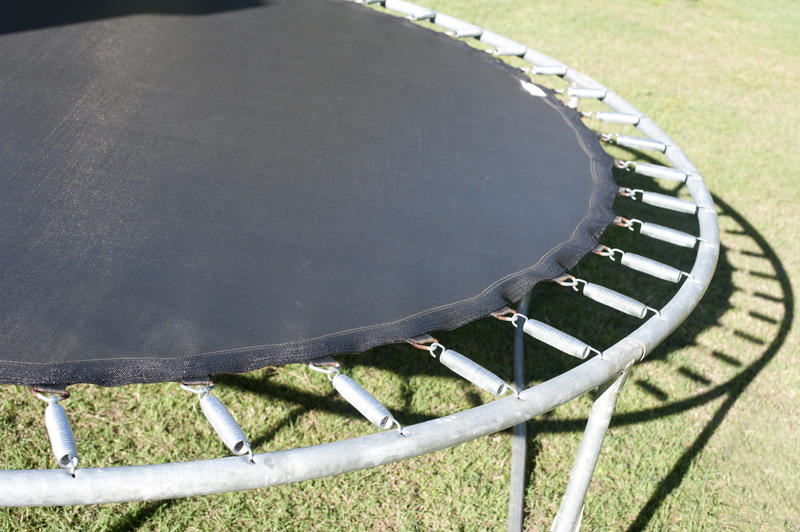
627	223
569	281
606	251
330	371
505	314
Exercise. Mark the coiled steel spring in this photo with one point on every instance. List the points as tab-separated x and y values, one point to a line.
59	431
221	420
585	92
637	143
555	338
669	202
658	171
651	267
548	70
225	426
615	300
667	234
617	118
472	371
363	401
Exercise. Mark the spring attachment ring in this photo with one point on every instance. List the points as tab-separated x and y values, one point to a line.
627	223
471	371
359	398
570	281
330	371
62	441
505	314
221	420
606	251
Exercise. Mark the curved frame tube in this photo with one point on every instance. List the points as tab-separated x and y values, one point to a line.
172	480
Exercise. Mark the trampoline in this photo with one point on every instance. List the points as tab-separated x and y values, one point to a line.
190	191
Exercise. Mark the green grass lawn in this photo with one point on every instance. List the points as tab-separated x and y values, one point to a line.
707	428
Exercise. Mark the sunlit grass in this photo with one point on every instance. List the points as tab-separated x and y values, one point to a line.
706	435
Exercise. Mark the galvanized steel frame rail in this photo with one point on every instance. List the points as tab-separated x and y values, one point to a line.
172	480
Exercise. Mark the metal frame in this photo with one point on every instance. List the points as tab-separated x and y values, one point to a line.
147	482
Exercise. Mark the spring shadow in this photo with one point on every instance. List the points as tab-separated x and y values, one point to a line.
733	388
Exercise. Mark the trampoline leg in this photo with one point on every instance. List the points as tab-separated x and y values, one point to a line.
516	497
569	514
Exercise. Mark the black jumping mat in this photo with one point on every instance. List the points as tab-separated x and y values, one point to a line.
193	188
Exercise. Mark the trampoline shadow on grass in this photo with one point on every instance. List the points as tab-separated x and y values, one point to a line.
189	296
492	342
758	347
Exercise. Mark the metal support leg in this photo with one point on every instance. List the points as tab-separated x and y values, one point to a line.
569	514
516	499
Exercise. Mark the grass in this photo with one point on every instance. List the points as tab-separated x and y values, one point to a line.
706	433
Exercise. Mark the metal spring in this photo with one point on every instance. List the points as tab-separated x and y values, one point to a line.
473	372
668	234
503	45
617	118
61	439
412	11
639	143
615	300
558	339
583	92
225	426
651	267
458	28
660	172
549	70
668	202
363	401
